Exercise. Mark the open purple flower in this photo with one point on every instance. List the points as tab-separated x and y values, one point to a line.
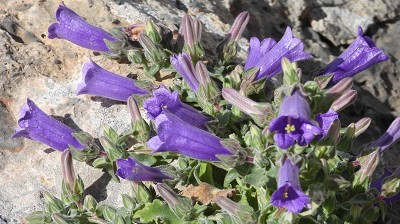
178	136
391	136
360	55
267	55
34	124
293	123
326	120
100	82
184	66
163	98
72	27
132	170
289	193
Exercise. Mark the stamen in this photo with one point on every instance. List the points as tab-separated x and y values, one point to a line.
285	195
290	128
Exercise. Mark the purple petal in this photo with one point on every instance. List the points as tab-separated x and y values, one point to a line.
72	27
35	124
295	106
293	200
293	123
391	136
175	135
184	66
359	56
132	170
289	47
100	82
326	120
164	99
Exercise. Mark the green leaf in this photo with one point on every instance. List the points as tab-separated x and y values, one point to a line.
230	176
100	162
108	212
258	177
155	211
37	217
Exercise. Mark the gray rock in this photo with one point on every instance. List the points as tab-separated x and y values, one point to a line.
48	71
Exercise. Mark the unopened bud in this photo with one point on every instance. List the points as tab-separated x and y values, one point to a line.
290	76
245	104
361	126
240	213
261	113
238	26
368	165
340	88
152	53
153	32
181	206
202	74
67	168
133	109
345	100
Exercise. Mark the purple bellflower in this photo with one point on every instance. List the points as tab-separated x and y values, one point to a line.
100	82
289	193
293	123
178	136
267	55
359	56
326	120
132	170
391	136
70	26
34	124
184	66
164	99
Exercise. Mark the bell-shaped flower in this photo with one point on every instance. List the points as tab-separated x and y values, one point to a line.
289	194
70	26
100	82
177	136
267	55
293	123
391	136
132	170
359	56
164	99
34	124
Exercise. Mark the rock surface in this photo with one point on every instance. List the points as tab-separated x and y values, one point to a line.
48	72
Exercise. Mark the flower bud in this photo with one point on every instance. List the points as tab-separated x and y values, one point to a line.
368	165
340	88
67	169
361	125
152	32
290	76
391	185
344	101
181	206
238	212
